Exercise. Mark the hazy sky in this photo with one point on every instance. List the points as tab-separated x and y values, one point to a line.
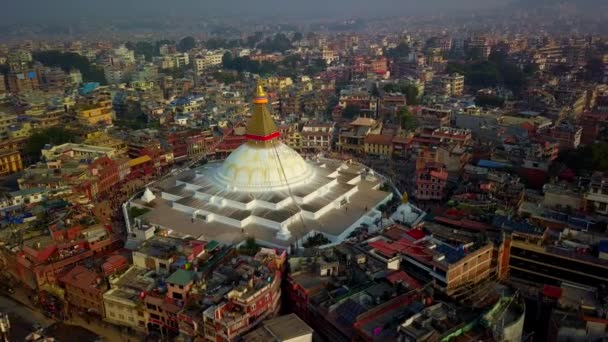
33	10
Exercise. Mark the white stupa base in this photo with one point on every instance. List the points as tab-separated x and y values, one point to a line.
284	235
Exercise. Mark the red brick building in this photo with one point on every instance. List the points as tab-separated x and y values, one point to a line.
84	290
431	182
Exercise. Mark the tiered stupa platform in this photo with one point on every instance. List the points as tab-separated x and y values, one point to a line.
266	190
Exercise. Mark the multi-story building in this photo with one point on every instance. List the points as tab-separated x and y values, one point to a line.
6	121
18	59
353	138
359	98
123	302
22	81
10	162
378	145
122	56
250	303
436	258
207	61
448	135
431	182
548	257
391	103
3	89
84	290
277	83
43	259
567	135
181	59
453	84
95	109
480	46
596	198
114	74
434	117
317	137
159	253
76	151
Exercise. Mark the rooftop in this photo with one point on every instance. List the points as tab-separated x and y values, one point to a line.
282	328
181	277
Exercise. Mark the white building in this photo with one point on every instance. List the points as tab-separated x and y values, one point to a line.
207	61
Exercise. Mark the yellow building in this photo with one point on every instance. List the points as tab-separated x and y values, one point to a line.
96	112
6	120
277	83
23	130
379	145
294	140
102	139
10	162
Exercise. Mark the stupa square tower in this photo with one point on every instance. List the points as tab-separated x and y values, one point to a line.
266	190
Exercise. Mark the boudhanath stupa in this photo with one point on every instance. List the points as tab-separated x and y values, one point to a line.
266	190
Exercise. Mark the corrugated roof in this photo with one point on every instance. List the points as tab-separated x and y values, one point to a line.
139	160
181	277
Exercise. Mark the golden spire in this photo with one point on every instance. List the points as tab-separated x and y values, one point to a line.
261	127
260	96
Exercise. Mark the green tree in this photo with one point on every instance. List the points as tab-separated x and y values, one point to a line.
186	44
586	159
297	37
147	49
594	69
70	60
411	93
52	136
227	60
161	43
407	120
530	69
4	69
292	61
351	112
486	100
409	90
278	43
400	51
375	92
251	41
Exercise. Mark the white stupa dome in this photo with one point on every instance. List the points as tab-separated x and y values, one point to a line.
263	168
263	163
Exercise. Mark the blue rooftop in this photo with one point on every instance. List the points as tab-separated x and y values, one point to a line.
490	164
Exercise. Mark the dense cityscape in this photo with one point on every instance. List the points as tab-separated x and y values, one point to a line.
431	176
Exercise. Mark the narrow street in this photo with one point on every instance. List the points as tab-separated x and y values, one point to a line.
22	318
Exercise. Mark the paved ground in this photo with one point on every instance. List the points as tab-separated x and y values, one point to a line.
22	318
86	330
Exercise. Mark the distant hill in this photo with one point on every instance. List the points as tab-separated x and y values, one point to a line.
579	4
